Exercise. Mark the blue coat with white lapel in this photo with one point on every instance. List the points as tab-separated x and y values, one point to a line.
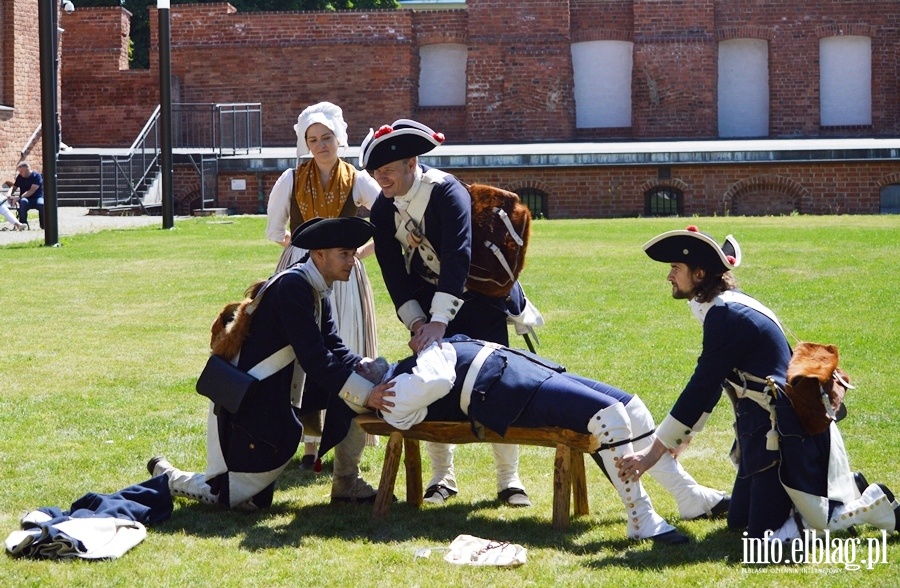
735	336
448	227
265	432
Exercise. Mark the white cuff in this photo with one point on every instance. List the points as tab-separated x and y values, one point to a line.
673	433
356	392
444	307
410	312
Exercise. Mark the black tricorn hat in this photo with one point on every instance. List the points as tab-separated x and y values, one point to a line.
696	249
403	139
330	233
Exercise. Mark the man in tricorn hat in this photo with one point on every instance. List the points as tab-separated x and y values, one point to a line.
788	478
292	326
423	243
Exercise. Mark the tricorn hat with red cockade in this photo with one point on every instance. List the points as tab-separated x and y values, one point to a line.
696	249
403	139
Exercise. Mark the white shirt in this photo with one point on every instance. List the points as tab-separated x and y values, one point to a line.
365	191
430	380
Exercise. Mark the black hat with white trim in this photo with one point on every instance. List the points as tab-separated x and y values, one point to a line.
331	233
401	140
696	249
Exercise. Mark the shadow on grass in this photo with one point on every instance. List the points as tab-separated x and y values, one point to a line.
287	524
290	524
721	546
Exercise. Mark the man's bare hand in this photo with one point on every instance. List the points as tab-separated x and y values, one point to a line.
634	465
378	397
426	334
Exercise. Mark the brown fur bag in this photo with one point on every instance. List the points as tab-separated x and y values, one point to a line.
232	326
816	386
501	225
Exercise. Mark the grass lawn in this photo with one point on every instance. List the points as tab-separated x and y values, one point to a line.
104	338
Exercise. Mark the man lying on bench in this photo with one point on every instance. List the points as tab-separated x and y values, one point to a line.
499	387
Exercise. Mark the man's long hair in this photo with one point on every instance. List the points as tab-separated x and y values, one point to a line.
714	284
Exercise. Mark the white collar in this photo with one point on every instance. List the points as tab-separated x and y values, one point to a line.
314	277
699	309
402	202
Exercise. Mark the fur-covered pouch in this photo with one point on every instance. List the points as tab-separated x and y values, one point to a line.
816	386
501	226
220	381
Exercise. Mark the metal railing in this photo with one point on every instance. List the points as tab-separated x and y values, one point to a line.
232	127
123	178
30	142
213	129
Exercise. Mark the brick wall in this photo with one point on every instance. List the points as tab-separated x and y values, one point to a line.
618	191
103	102
519	71
794	30
708	189
20	81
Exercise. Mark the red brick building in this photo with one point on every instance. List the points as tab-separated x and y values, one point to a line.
20	81
560	74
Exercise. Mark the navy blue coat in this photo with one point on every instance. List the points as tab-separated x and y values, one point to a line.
448	226
516	388
266	432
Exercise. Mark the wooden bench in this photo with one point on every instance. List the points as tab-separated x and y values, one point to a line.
568	467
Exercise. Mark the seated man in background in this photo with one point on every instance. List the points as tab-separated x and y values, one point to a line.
31	192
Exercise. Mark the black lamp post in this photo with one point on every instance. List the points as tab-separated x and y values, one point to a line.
48	15
165	113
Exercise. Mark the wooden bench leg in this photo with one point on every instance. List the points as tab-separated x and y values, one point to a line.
562	486
388	475
413	460
579	484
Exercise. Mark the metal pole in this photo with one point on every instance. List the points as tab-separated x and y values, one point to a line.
165	113
49	31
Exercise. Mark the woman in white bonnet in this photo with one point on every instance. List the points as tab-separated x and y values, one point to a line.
328	187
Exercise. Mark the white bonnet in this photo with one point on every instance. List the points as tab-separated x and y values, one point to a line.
325	113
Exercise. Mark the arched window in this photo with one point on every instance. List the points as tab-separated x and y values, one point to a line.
442	74
535	200
602	83
845	81
890	199
744	88
663	201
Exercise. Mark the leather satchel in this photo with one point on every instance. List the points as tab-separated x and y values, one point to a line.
224	384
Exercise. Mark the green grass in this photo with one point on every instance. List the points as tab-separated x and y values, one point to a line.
104	337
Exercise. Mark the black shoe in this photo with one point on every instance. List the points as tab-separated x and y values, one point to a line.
438	494
151	465
308	463
861	482
718	511
672	537
721	508
514	497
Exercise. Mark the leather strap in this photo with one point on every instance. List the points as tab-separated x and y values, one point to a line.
465	394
